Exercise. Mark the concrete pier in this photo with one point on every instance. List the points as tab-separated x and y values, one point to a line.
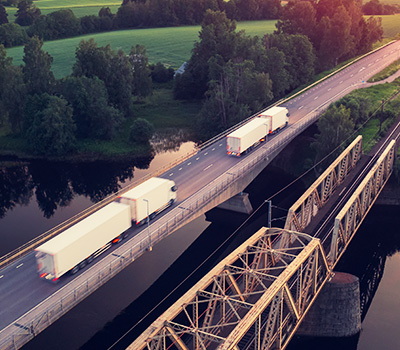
336	312
239	203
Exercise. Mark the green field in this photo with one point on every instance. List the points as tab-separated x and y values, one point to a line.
170	46
391	25
79	7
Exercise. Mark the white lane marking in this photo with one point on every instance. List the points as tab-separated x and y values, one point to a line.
385	55
205	153
197	158
171	174
1	276
180	169
329	89
341	82
352	75
315	97
213	149
19	265
208	167
189	163
361	69
220	144
301	107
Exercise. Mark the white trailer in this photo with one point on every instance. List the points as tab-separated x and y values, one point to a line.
149	198
277	118
81	243
247	136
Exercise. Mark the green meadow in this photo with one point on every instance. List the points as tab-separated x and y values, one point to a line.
79	8
171	46
391	25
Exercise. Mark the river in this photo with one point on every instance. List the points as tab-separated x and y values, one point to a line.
37	196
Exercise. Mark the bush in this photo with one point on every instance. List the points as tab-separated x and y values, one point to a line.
12	34
141	131
160	73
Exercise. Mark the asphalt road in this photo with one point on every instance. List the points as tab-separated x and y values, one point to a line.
20	288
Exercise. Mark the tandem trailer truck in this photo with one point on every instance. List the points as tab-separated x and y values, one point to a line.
80	244
255	131
149	198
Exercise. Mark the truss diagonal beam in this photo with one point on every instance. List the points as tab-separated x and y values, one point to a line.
308	205
357	207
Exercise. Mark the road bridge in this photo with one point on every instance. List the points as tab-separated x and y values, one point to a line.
257	297
205	179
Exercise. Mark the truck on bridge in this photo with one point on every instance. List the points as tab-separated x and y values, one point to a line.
254	132
78	245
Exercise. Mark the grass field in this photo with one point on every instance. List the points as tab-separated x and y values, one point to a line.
79	7
391	25
170	46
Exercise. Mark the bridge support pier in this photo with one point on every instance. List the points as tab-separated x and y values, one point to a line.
336	311
239	203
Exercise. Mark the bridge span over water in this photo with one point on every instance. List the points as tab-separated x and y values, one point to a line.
205	179
257	297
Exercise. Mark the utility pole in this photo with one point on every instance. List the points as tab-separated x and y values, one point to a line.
269	213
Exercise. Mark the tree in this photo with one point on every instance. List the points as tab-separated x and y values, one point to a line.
141	73
160	73
48	125
92	114
299	58
335	127
38	76
141	131
217	37
275	66
11	34
27	13
3	15
298	18
12	91
105	12
236	90
56	25
112	67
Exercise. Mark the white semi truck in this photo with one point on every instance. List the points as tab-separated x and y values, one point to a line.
149	198
255	131
78	245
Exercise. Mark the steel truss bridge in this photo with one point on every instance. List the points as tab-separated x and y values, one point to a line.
257	296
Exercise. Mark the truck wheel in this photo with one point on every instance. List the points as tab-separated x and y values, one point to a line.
74	270
152	216
171	201
89	259
82	264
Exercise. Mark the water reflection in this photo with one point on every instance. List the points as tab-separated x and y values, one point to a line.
55	184
170	140
16	187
